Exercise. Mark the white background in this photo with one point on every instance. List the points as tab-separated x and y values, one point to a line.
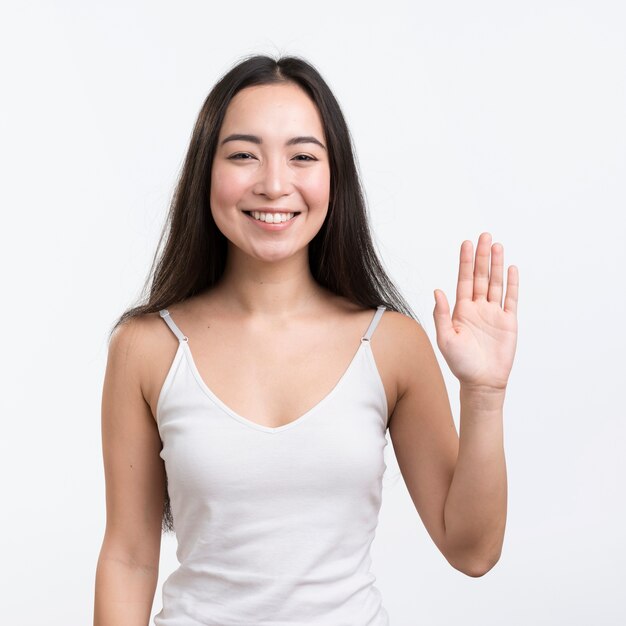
507	117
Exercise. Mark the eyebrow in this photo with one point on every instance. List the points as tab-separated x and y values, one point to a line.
258	140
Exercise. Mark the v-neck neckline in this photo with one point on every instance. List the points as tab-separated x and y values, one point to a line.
184	345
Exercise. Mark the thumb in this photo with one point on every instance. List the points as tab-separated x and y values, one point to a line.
441	313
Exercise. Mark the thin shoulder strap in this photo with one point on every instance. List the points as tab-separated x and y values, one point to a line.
372	327
165	314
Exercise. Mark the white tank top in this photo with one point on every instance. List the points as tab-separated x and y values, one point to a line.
273	525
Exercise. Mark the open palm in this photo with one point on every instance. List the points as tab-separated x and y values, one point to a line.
478	342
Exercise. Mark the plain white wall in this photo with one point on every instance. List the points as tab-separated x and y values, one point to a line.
467	116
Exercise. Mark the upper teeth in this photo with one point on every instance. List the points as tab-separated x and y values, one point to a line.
271	217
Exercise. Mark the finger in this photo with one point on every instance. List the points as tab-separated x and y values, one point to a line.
465	284
441	313
481	267
512	287
497	268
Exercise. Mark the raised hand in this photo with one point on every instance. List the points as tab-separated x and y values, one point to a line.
479	342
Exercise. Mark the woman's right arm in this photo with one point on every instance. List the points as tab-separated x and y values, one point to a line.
128	565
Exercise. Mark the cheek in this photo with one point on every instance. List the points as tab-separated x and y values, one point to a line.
317	187
227	185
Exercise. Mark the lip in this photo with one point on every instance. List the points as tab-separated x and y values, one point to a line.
268	210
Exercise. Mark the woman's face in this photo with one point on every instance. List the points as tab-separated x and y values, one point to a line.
271	155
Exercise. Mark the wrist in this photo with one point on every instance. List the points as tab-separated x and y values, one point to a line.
482	397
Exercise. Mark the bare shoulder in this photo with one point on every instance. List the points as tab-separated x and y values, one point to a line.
125	346
407	346
139	349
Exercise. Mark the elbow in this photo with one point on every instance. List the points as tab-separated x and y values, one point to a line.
475	567
478	569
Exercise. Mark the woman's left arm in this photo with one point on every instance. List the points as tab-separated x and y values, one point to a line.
458	482
478	344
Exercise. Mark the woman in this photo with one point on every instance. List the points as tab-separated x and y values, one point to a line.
246	402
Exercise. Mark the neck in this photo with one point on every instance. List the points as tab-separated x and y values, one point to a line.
281	288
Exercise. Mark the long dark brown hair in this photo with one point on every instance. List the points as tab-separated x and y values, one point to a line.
191	252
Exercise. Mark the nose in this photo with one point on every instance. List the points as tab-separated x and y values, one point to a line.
274	179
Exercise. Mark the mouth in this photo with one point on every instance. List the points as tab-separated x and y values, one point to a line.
294	215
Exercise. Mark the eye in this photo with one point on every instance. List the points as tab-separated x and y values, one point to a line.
306	157
240	154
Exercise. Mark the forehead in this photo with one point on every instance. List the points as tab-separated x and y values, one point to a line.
279	108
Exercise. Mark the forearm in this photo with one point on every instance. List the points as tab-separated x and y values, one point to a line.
124	593
475	508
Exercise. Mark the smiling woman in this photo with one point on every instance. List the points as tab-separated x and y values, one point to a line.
246	401
267	249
